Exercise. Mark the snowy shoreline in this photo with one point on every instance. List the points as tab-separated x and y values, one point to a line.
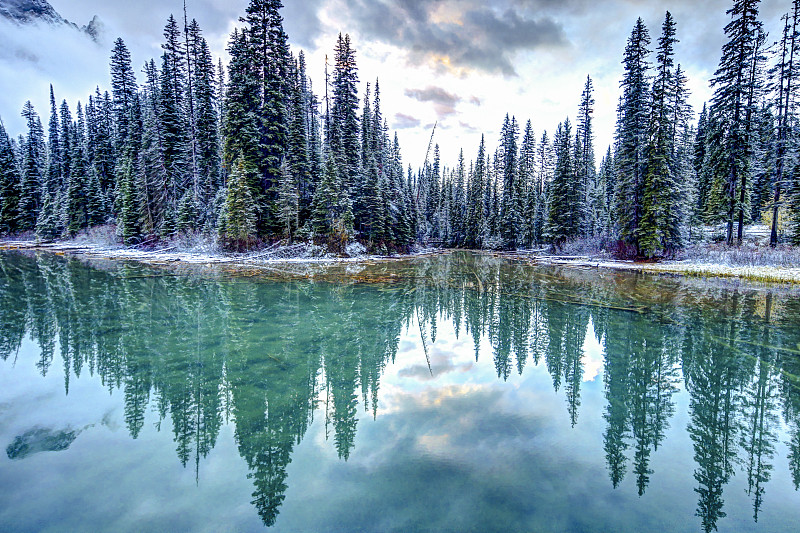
759	273
277	256
291	254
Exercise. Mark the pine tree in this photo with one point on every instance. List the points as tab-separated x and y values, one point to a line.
585	162
33	169
399	214
565	213
124	88
188	212
343	132
544	176
100	152
238	226
151	178
458	207
75	204
526	183
242	122
763	162
333	213
631	137
510	208
48	221
9	185
603	195
475	207
702	175
289	201
735	83
206	122
662	220
785	72
297	155
268	52
312	136
103	131
129	222
174	143
54	161
95	206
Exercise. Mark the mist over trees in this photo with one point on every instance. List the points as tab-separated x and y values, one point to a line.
248	153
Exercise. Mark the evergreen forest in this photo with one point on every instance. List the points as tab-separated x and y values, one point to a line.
248	154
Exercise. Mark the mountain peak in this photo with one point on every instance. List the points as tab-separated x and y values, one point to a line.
24	12
30	11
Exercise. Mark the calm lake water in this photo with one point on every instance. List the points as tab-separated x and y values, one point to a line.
453	393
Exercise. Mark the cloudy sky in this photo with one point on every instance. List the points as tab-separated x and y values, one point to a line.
463	63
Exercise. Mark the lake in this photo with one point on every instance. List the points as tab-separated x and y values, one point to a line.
458	392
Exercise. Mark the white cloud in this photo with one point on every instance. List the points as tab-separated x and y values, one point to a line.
32	57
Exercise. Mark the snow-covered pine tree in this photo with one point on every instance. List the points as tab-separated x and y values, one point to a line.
193	40
686	177
34	159
313	136
296	158
564	218
631	137
188	212
48	222
9	185
76	201
238	218
585	162
174	143
151	176
734	84
205	107
288	201
101	132
434	197
604	194
763	161
784	73
474	227
241	117
123	89
702	176
526	184
54	162
489	199
510	215
333	212
343	134
544	176
458	205
129	220
268	50
660	229
364	191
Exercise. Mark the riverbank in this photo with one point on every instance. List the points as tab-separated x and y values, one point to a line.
686	267
309	254
207	254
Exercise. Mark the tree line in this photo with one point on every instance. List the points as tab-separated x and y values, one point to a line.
250	153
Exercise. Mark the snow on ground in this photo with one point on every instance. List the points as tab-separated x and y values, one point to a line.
298	253
766	273
754	260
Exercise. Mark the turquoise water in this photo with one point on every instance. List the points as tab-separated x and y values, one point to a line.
452	393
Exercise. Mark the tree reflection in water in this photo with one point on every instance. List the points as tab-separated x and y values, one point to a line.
267	356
